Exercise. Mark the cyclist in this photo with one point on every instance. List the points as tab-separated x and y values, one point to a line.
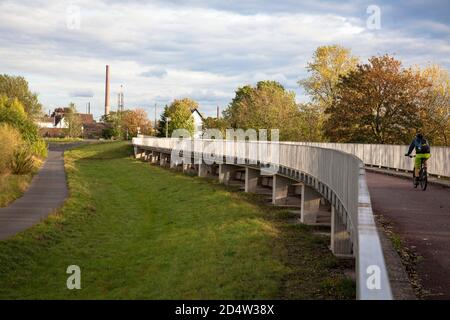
422	147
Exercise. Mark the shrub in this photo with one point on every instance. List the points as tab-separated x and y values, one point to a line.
23	162
11	111
39	148
10	142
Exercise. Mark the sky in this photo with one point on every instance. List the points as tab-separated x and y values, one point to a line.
164	50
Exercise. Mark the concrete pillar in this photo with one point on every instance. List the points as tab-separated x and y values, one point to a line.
341	244
155	157
203	170
164	159
280	188
251	179
310	203
226	173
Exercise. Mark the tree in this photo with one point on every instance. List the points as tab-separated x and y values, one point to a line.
73	121
329	64
435	105
309	122
180	114
162	123
379	102
17	87
133	121
216	123
266	106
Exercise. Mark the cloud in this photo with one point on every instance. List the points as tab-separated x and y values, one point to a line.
204	49
82	93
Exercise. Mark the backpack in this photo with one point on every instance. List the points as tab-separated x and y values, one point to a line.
424	147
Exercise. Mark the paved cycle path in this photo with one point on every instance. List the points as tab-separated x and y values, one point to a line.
46	193
422	220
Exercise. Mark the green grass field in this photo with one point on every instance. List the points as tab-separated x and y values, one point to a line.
142	232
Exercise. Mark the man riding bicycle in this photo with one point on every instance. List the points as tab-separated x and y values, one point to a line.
422	147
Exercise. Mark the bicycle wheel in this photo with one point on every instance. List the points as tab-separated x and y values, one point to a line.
414	178
423	179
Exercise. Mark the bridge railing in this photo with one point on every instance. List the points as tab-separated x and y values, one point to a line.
341	172
391	156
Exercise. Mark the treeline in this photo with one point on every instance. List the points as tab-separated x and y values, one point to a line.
20	144
378	101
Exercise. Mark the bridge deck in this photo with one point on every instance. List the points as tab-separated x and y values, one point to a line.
422	220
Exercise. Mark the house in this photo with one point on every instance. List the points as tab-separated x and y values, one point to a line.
198	123
53	125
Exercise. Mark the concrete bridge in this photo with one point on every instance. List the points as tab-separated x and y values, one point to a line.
307	176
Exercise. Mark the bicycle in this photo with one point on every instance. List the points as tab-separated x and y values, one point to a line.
423	175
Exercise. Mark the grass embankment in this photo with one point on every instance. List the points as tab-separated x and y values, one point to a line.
139	231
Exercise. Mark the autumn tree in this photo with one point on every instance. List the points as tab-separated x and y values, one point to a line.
266	106
216	123
328	65
17	88
435	105
379	102
133	121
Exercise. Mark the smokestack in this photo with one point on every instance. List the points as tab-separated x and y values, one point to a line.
217	112
107	91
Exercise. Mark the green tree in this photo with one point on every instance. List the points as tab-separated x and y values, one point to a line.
73	121
266	106
180	114
162	123
379	102
17	87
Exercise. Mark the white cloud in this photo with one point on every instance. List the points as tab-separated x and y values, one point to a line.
162	51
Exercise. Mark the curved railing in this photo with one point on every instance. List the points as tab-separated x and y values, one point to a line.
340	173
391	156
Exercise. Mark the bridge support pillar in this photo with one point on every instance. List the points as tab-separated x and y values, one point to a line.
341	244
280	188
226	173
154	158
138	153
164	159
204	170
310	202
251	179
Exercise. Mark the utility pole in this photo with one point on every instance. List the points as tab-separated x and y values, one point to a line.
155	119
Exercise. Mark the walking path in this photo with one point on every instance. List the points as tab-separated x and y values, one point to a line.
422	220
47	192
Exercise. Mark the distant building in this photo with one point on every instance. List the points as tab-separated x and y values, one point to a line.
53	125
198	122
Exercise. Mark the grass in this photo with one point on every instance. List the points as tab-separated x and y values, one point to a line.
12	187
142	232
62	140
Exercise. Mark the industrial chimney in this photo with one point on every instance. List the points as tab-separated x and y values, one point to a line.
107	91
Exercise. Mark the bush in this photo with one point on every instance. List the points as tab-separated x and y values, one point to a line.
23	162
10	142
11	111
39	148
